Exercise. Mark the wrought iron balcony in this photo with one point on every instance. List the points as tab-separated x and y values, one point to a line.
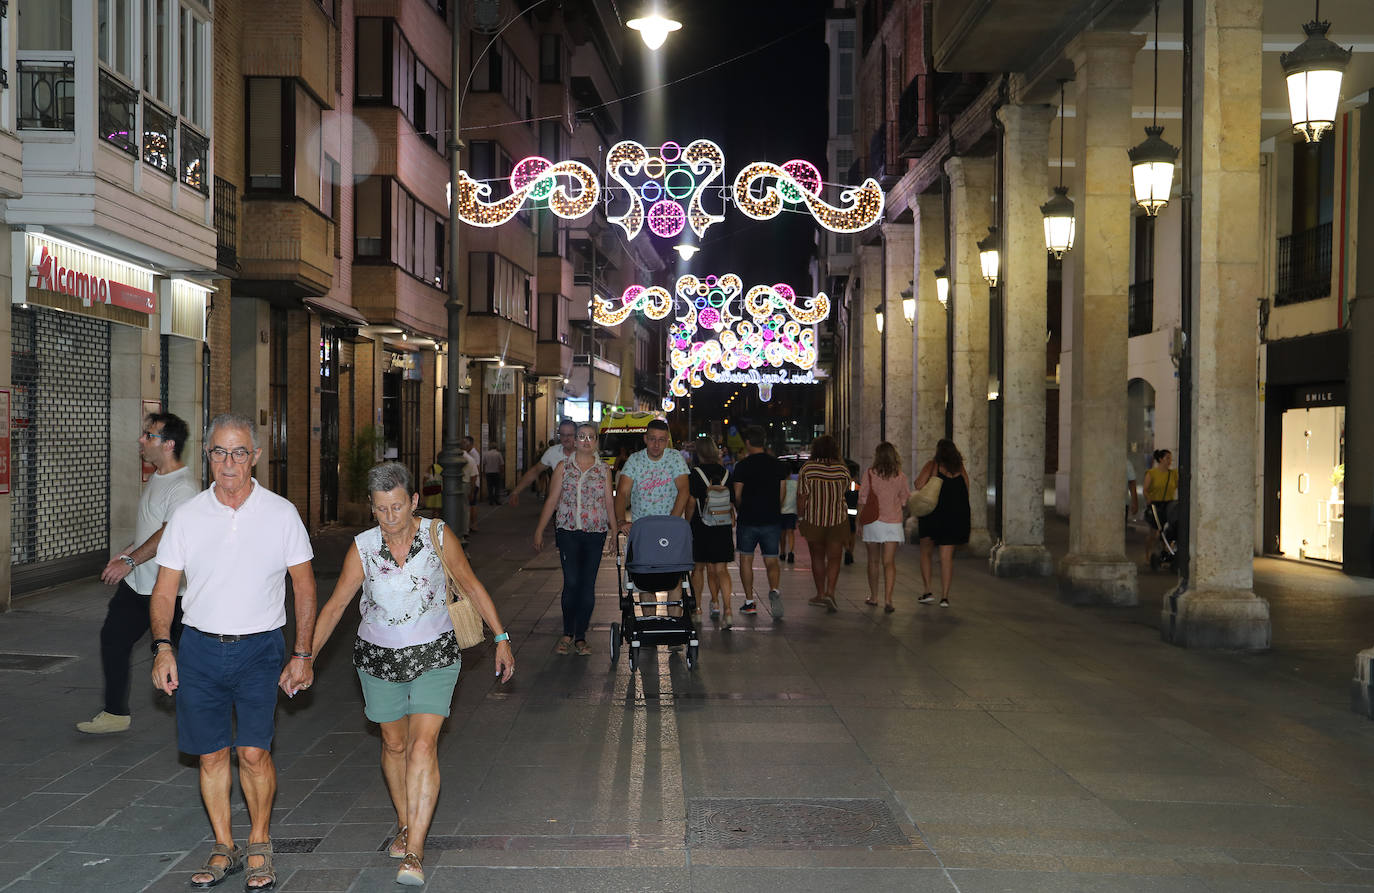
226	224
192	148
159	133
1304	266
47	95
1141	311
117	115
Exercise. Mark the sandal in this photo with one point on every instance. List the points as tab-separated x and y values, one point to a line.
871	601
582	648
397	849
888	609
563	647
264	871
727	621
411	873
219	872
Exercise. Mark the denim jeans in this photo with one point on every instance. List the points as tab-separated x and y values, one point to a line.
580	553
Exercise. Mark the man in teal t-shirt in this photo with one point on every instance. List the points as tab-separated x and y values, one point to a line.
653	480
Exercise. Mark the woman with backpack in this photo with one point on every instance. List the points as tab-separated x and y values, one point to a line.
712	514
584	500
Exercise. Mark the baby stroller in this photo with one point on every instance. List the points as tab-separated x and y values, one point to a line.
657	559
1165	552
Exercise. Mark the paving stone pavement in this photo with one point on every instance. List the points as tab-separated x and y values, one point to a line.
1010	742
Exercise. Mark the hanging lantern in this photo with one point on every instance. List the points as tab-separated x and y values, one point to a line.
990	256
1152	170
878	314
909	302
1314	71
942	286
1059	223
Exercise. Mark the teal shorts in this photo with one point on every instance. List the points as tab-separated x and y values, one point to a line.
430	692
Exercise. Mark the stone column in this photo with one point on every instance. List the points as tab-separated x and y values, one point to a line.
1096	569
1025	160
898	257
1216	606
868	393
1359	413
930	373
970	216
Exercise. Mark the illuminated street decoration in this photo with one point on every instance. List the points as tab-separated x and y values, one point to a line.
798	182
654	302
668	177
533	178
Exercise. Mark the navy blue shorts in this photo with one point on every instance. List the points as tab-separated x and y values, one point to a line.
227	691
765	537
789	521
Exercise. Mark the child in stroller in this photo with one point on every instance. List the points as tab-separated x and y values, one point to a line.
657	559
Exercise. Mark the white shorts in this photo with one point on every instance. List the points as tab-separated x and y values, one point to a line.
883	532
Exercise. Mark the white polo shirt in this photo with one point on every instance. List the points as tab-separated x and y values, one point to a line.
235	561
553	455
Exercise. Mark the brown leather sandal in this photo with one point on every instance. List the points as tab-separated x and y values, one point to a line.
265	870
217	872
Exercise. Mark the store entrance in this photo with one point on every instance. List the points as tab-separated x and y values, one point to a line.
1312	484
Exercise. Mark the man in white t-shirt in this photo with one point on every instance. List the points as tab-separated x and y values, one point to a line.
472	473
133	571
552	456
236	543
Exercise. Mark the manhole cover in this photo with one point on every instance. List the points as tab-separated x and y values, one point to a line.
31	663
796	824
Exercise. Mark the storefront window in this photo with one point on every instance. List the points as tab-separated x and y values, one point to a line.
1312	489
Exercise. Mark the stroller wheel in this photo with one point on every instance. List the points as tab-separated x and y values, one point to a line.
692	656
615	644
634	659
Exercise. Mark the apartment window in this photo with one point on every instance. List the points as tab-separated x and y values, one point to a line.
283	139
489	162
496	70
390	74
159	130
553	236
157	49
192	68
329	187
551	139
553	318
498	287
391	226
265	133
115	35
368	235
551	64
45	25
309	155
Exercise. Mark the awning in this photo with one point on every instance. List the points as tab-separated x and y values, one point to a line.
342	311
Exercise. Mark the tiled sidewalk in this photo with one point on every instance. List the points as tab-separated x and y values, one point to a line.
1008	743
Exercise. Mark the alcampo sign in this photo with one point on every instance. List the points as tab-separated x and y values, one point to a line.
66	270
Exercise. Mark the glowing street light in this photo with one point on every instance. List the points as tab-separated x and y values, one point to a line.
654	29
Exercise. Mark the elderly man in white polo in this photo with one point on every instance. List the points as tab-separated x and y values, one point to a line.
236	543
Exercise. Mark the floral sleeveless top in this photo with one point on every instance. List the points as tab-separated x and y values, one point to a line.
405	627
582	501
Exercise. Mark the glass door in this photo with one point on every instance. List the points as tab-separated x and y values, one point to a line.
1312	489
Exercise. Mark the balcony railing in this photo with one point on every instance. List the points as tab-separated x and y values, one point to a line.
47	95
1304	272
1141	312
159	131
226	224
118	114
193	148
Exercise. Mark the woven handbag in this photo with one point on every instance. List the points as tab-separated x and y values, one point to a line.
870	509
924	500
467	623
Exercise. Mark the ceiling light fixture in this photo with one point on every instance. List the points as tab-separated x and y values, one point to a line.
1314	71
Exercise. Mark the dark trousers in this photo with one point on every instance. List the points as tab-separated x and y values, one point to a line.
493	488
579	551
126	620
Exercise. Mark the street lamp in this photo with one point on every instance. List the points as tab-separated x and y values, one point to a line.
1058	211
1152	162
909	302
654	29
990	256
1314	71
685	250
878	316
942	286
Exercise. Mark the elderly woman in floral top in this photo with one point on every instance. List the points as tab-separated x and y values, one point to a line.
581	494
406	654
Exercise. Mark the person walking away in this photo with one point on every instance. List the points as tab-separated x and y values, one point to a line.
494	467
759	484
789	514
235	543
582	504
1161	488
472	479
134	570
713	544
822	516
405	653
885	484
948	525
555	454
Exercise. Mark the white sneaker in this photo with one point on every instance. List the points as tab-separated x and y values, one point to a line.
104	723
775	603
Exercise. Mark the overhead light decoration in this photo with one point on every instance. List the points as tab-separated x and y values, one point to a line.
1058	211
1152	162
879	317
668	405
990	256
799	183
909	302
654	29
669	176
1314	71
942	286
533	178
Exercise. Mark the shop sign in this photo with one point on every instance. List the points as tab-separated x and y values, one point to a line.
1312	396
500	380
89	277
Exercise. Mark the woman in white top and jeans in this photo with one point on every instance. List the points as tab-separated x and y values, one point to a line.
406	655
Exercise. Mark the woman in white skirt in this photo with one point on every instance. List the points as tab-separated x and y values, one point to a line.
885	484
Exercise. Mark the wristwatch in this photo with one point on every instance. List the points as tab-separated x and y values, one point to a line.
156	642
129	560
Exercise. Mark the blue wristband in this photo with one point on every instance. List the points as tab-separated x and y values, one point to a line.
504	637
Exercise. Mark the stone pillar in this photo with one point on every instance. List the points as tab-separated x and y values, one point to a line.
868	391
930	373
1216	606
970	216
1096	569
898	257
1025	160
1359	413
